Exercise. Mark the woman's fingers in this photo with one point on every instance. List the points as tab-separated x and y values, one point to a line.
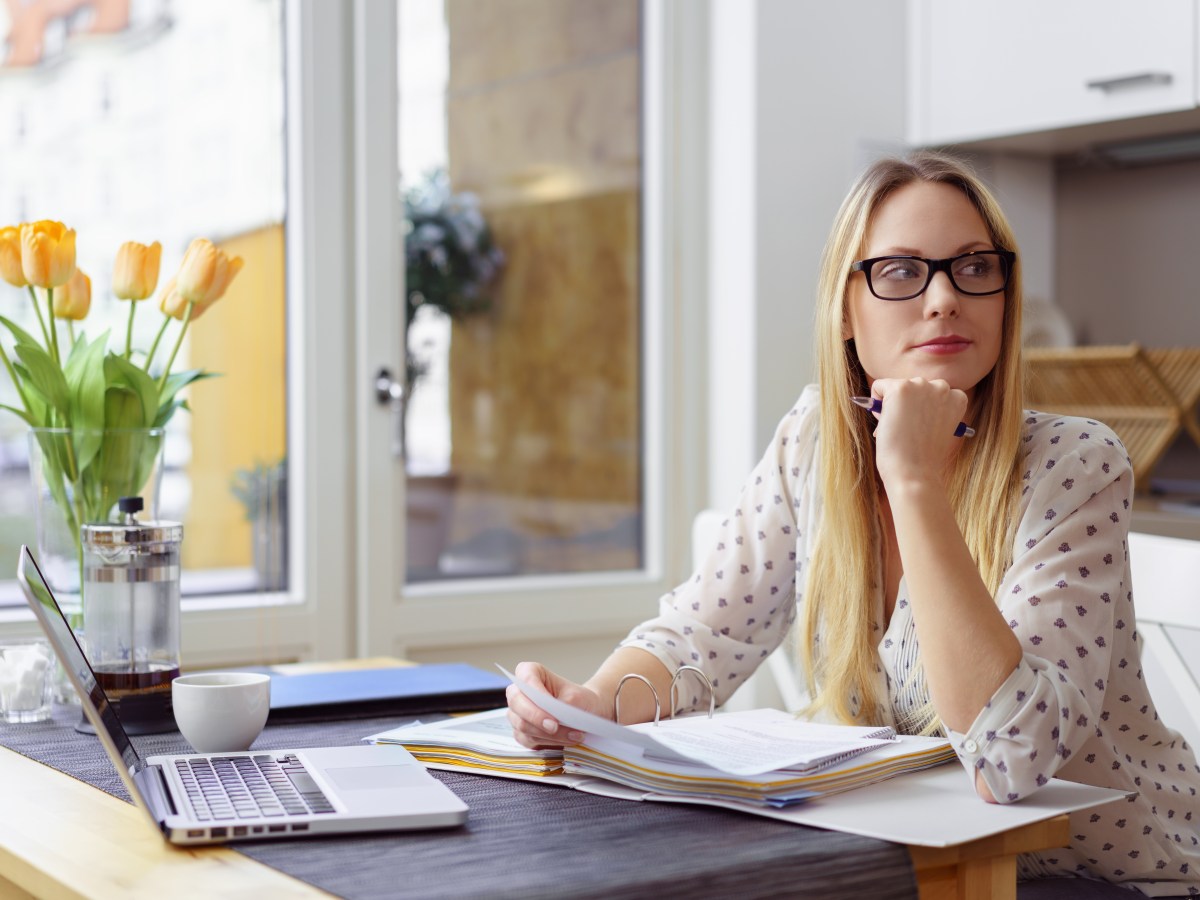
533	727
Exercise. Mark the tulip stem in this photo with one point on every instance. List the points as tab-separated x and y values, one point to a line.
71	332
42	322
129	330
187	317
53	325
154	346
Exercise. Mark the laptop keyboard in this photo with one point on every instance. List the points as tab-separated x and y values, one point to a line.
265	785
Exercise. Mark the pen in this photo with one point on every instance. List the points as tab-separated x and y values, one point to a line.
874	404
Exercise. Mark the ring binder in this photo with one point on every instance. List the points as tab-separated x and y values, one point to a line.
671	695
617	696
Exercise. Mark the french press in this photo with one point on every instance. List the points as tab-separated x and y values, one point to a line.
131	614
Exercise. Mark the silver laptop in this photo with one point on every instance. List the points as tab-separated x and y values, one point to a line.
205	798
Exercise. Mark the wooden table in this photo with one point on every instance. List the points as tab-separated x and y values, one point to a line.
60	837
63	838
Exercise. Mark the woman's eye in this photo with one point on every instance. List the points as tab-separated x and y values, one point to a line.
976	267
898	270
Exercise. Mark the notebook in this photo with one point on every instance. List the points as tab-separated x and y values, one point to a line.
394	691
203	798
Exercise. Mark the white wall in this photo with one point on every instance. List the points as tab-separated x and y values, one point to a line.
809	93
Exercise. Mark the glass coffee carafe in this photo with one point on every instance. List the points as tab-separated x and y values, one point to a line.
131	614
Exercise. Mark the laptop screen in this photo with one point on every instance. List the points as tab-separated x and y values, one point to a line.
70	654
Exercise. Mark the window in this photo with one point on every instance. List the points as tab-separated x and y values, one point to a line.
164	123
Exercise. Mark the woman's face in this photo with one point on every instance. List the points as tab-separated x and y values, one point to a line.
940	334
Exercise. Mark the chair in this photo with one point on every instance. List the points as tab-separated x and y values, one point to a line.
1166	590
776	683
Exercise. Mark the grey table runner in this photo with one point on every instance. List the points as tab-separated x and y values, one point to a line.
527	840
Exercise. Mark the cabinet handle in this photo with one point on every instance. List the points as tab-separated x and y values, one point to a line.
1120	82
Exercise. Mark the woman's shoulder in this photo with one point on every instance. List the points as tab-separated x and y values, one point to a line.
804	414
1052	440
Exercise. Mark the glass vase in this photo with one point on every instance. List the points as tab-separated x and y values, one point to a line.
78	475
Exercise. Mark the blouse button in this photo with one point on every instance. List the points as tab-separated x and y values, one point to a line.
970	746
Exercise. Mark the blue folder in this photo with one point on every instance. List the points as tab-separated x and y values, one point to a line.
408	690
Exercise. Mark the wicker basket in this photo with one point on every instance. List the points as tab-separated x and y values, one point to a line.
1145	396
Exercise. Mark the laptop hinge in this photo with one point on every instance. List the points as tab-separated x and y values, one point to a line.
158	794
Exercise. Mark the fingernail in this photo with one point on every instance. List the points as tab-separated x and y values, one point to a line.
549	726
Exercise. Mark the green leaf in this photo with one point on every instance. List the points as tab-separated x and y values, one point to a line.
123	408
22	336
46	377
85	378
178	381
37	403
20	412
166	411
120	371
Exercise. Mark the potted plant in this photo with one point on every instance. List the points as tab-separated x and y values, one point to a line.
451	265
450	259
262	491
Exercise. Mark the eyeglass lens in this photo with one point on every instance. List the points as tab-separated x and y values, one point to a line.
903	278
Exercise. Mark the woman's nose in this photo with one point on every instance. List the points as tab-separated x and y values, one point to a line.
941	298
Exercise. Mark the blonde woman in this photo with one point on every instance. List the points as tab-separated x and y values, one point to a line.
973	584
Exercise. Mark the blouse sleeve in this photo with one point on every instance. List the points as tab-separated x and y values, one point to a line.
1065	596
738	605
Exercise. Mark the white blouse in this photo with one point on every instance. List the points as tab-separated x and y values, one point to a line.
1075	707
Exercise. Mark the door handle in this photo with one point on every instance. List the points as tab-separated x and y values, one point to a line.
390	392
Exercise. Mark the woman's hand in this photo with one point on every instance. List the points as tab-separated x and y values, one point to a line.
914	439
536	729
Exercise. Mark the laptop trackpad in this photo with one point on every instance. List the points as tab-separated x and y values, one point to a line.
374	778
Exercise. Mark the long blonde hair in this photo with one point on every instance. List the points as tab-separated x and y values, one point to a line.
844	574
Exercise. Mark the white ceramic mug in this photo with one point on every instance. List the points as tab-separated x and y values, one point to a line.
221	712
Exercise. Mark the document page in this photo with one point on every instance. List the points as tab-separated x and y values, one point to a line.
744	743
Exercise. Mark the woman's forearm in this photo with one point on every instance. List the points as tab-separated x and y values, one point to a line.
637	703
967	649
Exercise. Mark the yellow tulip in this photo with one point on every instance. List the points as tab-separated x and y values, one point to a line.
47	253
205	274
171	302
73	299
10	256
135	273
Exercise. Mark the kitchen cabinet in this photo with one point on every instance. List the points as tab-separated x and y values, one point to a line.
981	70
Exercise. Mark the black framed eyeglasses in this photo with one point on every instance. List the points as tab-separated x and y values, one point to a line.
976	274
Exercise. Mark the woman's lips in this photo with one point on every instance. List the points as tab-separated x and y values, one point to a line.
944	346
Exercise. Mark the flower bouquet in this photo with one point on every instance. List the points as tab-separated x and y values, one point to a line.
97	412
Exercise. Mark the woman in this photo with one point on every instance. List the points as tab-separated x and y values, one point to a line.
1001	555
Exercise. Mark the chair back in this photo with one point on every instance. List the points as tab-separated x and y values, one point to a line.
1166	592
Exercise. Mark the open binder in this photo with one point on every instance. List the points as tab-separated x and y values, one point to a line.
755	760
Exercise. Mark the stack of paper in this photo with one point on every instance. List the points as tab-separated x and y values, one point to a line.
823	765
482	742
764	759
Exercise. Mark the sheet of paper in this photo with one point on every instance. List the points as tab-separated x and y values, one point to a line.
736	744
932	808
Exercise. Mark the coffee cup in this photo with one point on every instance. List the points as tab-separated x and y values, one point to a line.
221	712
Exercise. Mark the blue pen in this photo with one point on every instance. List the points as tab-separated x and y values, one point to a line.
874	404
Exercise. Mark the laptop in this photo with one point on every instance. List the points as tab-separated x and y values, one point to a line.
207	798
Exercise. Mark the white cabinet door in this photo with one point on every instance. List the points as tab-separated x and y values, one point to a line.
981	70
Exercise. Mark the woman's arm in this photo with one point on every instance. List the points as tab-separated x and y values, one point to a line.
967	648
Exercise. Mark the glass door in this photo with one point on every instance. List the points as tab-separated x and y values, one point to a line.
525	427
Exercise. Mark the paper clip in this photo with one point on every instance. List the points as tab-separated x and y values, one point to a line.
657	705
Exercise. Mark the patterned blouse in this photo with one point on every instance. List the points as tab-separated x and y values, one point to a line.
1075	707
